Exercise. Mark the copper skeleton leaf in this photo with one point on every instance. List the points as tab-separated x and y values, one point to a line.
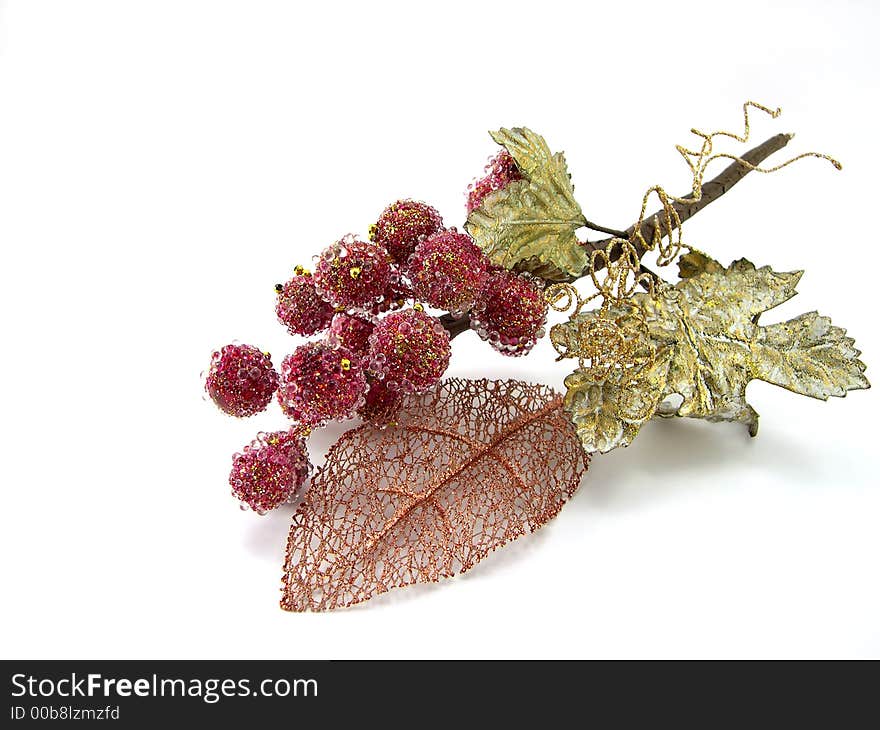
469	468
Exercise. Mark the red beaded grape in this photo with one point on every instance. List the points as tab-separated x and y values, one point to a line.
402	225
511	312
397	295
270	470
448	271
351	331
500	172
321	383
300	308
410	350
381	404
353	274
241	380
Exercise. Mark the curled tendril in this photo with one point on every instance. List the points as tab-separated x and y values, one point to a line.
614	335
666	232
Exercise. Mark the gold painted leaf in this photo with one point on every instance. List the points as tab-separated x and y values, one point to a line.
710	324
609	413
530	224
707	346
693	263
469	468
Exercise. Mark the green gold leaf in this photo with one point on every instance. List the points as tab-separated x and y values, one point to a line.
710	323
707	346
609	413
529	225
693	263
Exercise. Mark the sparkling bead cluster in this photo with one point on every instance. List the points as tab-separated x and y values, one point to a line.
321	382
270	470
241	380
511	312
381	404
409	350
403	225
448	271
353	274
299	306
500	172
351	332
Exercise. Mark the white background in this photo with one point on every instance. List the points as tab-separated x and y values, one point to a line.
163	164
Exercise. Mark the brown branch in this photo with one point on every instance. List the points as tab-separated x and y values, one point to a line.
712	190
456	325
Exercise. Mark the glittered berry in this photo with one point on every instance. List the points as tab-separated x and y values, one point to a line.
241	380
500	172
397	294
351	331
510	312
402	225
448	271
381	404
270	470
299	306
320	383
353	274
410	350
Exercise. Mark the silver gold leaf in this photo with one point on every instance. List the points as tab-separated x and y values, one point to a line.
609	413
710	322
709	346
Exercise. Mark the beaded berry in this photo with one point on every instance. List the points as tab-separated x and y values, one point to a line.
402	225
397	294
351	331
510	312
299	306
500	172
381	403
410	350
353	274
270	470
448	271
241	380
320	383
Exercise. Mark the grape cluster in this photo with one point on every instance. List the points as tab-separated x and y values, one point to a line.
366	300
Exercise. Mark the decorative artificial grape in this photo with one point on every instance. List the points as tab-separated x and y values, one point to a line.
241	380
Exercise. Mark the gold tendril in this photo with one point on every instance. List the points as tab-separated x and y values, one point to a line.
613	339
621	259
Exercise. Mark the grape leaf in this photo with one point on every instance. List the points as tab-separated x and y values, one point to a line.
705	331
608	413
530	224
693	263
469	468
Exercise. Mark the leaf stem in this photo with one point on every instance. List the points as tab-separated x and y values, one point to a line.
603	229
